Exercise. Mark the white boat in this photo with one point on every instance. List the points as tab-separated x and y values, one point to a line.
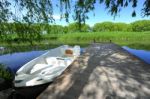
46	67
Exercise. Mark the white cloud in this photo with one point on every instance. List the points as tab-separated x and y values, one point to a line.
56	17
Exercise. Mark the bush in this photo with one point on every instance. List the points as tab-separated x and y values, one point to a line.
121	27
4	73
142	25
74	27
110	27
103	27
56	29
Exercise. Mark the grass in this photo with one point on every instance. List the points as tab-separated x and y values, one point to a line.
5	74
140	40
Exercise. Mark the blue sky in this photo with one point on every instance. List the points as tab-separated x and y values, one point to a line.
101	15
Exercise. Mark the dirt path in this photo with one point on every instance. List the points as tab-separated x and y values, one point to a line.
104	71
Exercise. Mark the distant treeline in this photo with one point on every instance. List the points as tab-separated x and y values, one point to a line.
29	32
137	26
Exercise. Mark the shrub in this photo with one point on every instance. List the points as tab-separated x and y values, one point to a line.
74	27
142	25
5	73
110	27
103	27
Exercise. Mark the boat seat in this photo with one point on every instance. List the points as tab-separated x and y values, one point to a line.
38	67
21	76
51	61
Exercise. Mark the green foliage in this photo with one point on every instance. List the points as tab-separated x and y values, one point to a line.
33	33
122	27
5	73
19	32
6	31
142	25
74	27
27	32
109	27
56	29
42	10
105	26
116	37
137	26
65	29
5	12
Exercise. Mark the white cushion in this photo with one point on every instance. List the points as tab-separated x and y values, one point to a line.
51	61
38	67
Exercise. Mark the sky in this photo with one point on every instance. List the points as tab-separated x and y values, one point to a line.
101	15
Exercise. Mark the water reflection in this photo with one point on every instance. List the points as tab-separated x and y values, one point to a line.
142	54
16	60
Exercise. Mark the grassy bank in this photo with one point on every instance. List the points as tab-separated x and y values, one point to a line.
138	40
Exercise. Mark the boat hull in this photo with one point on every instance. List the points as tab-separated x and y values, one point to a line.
47	67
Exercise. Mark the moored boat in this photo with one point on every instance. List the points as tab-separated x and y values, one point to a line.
46	67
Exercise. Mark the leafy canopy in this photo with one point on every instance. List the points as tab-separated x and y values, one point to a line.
42	10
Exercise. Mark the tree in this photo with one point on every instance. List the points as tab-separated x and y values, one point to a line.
55	29
122	27
42	10
65	29
105	26
142	25
109	26
74	27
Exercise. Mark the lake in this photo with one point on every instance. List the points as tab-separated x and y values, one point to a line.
142	54
15	60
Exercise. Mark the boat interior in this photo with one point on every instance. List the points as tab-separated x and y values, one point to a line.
54	57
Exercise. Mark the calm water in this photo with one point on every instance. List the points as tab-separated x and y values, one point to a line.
16	60
142	54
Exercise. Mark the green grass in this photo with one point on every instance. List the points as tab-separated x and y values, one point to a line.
5	73
140	40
